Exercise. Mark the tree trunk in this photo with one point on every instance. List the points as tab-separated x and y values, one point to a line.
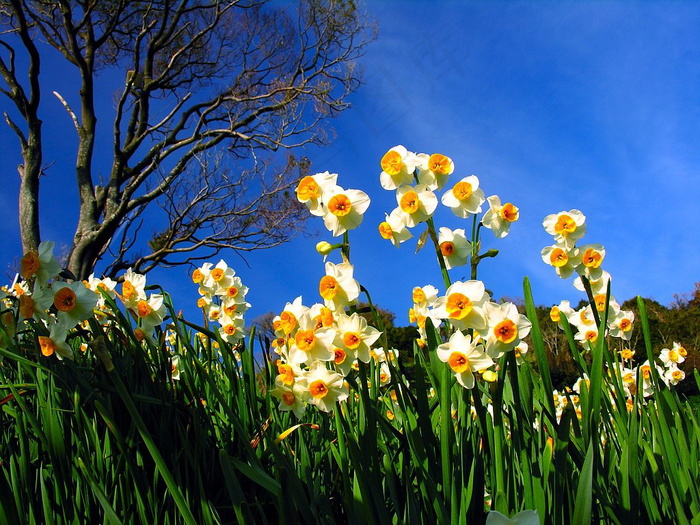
29	188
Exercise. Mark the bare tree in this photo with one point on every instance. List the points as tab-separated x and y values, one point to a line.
207	84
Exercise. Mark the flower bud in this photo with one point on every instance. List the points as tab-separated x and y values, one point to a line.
324	248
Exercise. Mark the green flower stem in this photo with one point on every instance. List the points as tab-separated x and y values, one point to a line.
441	259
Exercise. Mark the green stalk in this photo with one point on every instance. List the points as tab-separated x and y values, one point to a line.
101	351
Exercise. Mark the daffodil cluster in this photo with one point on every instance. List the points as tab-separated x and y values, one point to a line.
483	329
341	209
57	307
222	297
415	177
318	346
567	258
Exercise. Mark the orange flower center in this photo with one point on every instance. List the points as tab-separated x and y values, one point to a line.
351	340
288	398
305	340
410	202
286	374
462	191
339	356
565	225
419	296
128	290
197	276
439	164
592	258
47	346
231	291
143	309
230	329
217	274
506	331
328	287
288	322
558	257
29	264
447	248
386	231
391	163
318	389
64	300
509	212
459	362
555	314
458	306
340	205
308	189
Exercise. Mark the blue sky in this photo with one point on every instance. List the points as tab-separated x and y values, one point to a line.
553	105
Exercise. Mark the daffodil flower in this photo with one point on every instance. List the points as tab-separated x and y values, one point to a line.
232	329
355	336
464	356
620	325
463	305
344	209
394	228
416	203
591	257
505	328
322	387
290	397
499	216
338	288
465	198
74	302
55	342
310	343
311	191
566	226
40	263
398	165
133	288
151	312
563	259
454	247
434	170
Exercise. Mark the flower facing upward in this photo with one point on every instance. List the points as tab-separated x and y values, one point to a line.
464	357
133	288
499	216
311	190
355	336
592	256
465	198
434	170
564	260
416	203
344	209
74	302
463	305
566	226
322	387
505	328
398	165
